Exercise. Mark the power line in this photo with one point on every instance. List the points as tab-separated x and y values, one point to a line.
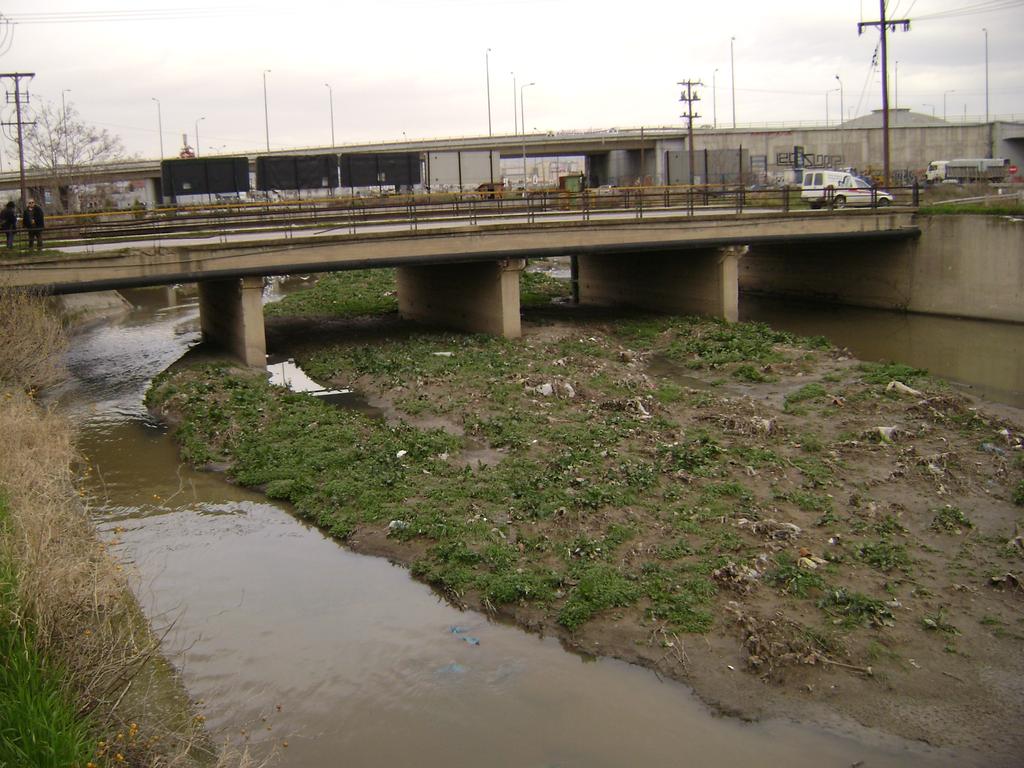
990	6
148	14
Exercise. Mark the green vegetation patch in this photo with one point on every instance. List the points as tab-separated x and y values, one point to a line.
39	720
852	609
883	373
341	294
950	519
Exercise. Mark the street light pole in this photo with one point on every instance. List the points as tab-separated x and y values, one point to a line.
522	120
842	107
515	113
330	96
714	97
986	72
197	135
487	67
266	112
732	72
159	125
64	121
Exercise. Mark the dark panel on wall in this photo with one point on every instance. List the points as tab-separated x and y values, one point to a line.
201	176
385	169
359	171
297	172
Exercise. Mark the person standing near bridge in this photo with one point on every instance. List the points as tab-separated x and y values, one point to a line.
9	222
32	220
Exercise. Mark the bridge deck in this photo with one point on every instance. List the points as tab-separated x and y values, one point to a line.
452	241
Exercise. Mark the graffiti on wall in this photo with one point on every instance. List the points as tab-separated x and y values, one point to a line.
800	159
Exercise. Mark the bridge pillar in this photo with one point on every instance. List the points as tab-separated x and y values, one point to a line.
692	282
480	297
231	317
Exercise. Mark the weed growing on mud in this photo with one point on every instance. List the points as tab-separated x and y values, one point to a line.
852	609
950	519
788	576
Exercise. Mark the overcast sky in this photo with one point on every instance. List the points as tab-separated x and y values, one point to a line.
417	67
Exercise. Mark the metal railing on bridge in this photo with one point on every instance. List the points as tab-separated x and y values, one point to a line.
352	214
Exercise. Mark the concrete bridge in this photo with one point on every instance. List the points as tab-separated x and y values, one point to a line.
467	275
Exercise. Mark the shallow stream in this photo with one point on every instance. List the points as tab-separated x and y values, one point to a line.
285	636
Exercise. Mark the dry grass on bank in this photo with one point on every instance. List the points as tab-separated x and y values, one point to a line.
70	590
33	342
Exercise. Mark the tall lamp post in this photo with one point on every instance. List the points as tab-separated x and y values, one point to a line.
986	72
487	68
159	125
197	135
732	73
330	96
515	108
714	97
64	122
842	107
266	112
522	120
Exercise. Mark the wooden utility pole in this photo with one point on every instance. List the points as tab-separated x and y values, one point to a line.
690	96
18	99
883	26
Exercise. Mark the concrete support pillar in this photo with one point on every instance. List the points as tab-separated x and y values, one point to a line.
692	282
478	297
231	317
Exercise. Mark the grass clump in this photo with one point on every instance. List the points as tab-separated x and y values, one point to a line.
950	519
1018	494
883	555
788	576
853	609
598	587
883	373
807	393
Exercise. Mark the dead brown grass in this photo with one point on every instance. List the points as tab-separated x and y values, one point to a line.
72	592
32	341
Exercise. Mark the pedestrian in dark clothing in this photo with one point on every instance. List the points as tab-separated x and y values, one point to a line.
33	223
9	222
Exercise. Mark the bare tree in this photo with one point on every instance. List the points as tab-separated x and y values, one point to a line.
61	143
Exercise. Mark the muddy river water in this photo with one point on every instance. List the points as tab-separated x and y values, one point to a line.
285	636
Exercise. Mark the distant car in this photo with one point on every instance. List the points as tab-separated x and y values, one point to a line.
840	189
605	189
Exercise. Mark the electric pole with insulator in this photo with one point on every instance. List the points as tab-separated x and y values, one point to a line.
689	95
883	25
18	98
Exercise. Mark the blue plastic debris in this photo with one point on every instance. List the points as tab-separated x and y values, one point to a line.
471	640
457	630
451	669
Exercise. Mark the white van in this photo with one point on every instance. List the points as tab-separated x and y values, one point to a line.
841	188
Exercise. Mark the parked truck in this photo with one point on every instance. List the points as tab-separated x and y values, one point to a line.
968	169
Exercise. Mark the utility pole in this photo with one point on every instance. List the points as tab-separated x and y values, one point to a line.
19	99
883	25
690	96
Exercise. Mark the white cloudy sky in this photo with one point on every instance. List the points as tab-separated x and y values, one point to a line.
417	67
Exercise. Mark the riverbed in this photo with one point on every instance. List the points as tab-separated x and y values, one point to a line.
287	638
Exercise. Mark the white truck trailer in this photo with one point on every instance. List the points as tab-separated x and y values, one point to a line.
462	170
968	169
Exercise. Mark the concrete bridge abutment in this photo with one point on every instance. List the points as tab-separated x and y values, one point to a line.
690	282
479	297
231	317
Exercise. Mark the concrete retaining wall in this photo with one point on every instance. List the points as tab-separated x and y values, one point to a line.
965	266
